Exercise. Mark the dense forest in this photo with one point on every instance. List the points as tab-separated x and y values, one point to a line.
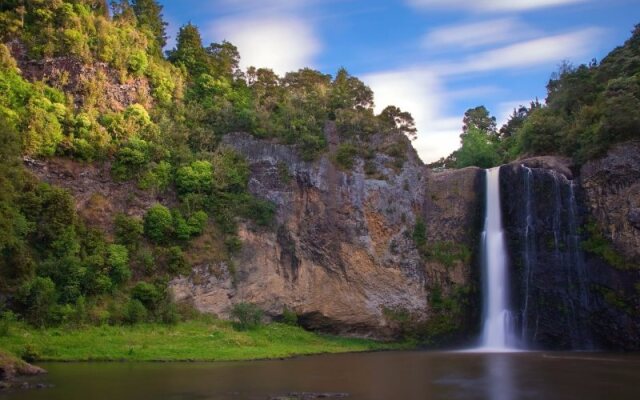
54	267
588	109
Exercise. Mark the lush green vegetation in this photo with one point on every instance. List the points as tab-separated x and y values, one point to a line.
447	317
446	253
588	109
597	244
56	268
203	340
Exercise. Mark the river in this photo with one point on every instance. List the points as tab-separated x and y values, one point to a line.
365	376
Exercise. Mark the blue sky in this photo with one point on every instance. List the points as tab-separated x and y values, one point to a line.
434	58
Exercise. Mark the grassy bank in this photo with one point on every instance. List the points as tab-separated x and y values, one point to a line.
186	341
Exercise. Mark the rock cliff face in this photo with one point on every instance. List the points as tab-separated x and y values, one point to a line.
97	196
565	297
612	195
84	81
341	254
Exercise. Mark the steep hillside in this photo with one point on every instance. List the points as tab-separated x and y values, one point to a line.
320	208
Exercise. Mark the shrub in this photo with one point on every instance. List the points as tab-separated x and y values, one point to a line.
118	259
147	294
131	159
30	353
135	312
138	62
233	244
260	211
176	262
289	317
37	298
128	230
345	155
198	222
158	223
420	233
247	315
598	244
7	318
169	312
195	178
157	177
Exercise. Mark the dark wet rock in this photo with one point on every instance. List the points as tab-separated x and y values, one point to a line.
563	296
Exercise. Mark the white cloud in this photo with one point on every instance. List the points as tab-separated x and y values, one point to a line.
550	49
420	92
281	43
476	34
490	5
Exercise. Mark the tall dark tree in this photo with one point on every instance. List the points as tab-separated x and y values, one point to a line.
350	92
189	52
225	59
479	118
149	14
517	119
399	120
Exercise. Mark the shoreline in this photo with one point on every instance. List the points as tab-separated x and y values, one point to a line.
191	341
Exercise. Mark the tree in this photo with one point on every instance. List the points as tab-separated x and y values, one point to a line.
517	118
350	92
128	230
37	298
158	223
118	259
189	53
195	178
479	118
149	14
477	150
400	121
225	59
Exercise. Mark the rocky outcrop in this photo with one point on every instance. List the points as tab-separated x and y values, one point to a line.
85	82
341	253
11	369
612	195
97	196
565	297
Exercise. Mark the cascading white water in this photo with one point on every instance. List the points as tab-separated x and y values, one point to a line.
497	330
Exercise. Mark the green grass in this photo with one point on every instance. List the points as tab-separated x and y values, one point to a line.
187	341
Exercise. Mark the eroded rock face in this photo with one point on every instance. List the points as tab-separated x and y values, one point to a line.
341	254
86	82
612	194
563	296
98	198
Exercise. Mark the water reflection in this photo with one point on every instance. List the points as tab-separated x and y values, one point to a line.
373	376
500	379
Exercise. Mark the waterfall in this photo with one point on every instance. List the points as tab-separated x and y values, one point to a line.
497	330
553	267
529	256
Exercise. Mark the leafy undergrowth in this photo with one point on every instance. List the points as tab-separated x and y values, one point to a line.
187	341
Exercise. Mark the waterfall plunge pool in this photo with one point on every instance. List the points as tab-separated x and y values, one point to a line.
363	376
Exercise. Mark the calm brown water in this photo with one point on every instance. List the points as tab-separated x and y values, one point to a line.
372	376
